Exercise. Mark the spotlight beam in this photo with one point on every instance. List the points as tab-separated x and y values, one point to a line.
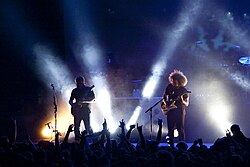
240	36
52	69
172	39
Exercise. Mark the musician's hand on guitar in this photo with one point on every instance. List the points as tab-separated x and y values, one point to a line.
184	101
164	102
92	101
181	98
166	106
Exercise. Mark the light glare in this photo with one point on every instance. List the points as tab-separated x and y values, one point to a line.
134	117
104	103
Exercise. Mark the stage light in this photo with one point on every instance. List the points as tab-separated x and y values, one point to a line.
94	125
219	113
104	103
246	16
47	133
134	117
150	86
52	70
91	55
64	119
172	38
176	133
239	79
229	15
217	107
234	31
245	60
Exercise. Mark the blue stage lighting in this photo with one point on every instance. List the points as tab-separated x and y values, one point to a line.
245	60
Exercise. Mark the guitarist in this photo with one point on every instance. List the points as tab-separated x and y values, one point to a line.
176	94
80	109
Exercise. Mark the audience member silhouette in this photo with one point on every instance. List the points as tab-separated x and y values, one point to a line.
99	149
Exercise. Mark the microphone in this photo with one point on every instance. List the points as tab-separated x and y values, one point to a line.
48	123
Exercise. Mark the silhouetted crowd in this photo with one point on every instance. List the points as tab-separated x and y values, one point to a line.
99	150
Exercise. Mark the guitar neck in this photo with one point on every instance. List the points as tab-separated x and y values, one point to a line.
86	102
174	99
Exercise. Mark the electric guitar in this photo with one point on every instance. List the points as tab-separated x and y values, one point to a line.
166	106
78	105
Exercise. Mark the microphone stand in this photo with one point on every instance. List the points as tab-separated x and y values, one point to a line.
151	117
55	109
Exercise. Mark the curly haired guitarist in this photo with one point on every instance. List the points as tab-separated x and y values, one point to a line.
80	109
175	101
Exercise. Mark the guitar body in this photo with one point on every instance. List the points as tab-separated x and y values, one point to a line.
167	106
173	98
75	108
84	101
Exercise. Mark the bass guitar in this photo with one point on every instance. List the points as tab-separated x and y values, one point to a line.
78	105
166	106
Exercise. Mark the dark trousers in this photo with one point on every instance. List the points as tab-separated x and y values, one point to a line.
82	115
175	119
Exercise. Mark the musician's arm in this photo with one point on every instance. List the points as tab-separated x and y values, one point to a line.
91	97
185	100
165	95
71	99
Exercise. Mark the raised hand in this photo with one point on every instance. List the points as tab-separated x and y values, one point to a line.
139	128
70	128
132	127
122	124
200	142
228	134
196	142
104	124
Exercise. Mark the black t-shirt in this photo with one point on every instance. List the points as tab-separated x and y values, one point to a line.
84	93
174	93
